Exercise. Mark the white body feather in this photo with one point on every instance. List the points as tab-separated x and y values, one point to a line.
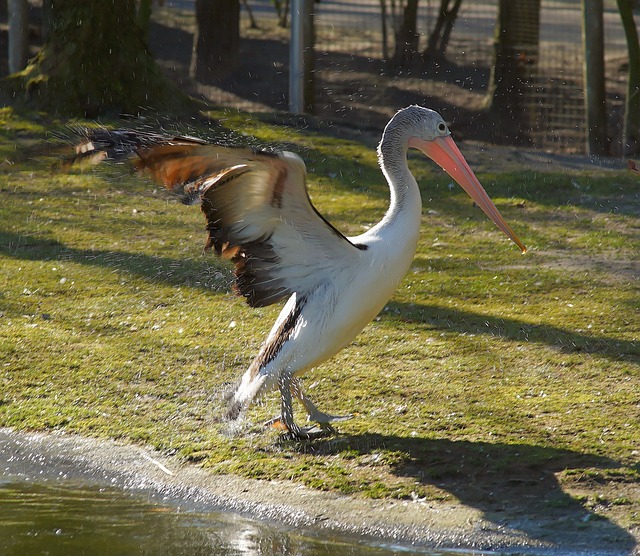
353	289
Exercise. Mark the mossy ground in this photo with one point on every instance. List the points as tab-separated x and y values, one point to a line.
507	382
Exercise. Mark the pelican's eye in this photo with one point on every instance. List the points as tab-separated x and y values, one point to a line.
442	127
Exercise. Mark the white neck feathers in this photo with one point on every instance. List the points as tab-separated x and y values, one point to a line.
392	157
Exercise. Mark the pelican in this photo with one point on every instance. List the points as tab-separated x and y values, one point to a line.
259	215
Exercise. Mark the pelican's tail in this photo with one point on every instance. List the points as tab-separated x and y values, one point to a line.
253	385
263	374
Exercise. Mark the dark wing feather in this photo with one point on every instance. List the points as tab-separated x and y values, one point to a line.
257	208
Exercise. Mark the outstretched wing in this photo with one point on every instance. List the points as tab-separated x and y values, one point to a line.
256	204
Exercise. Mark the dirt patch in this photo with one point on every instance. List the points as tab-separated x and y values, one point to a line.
612	270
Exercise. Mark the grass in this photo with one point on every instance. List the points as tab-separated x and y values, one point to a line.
516	374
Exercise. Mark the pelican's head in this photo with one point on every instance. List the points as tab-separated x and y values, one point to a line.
429	133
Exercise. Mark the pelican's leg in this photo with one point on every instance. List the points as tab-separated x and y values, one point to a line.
314	414
286	404
286	386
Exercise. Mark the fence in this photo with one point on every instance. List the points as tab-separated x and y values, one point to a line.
356	83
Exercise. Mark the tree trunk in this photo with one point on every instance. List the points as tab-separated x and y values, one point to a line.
439	37
595	94
451	20
282	9
631	127
18	34
217	39
252	20
383	24
515	58
407	37
95	60
47	17
144	16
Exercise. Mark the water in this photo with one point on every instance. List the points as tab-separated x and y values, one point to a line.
71	518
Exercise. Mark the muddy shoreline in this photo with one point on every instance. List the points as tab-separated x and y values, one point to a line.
57	456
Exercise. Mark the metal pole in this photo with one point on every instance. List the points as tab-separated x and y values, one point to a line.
296	58
593	45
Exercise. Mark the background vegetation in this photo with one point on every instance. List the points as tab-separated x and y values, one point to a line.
512	71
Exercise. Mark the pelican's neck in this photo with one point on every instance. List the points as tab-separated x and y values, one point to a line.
405	204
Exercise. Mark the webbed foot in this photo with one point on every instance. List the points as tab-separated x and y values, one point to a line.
314	414
313	432
317	416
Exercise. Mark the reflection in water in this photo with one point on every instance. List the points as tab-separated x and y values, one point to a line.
70	519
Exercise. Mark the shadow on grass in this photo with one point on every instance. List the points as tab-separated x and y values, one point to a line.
468	322
209	274
212	275
513	485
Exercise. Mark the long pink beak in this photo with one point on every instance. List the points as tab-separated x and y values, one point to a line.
444	152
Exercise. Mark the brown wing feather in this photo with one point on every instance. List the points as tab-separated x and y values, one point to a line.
253	252
209	172
257	209
176	165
